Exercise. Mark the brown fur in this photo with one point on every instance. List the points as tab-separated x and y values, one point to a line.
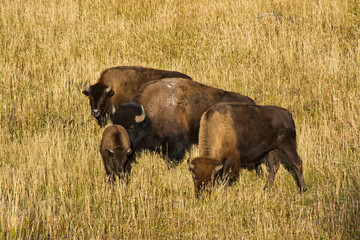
126	82
233	136
115	149
173	109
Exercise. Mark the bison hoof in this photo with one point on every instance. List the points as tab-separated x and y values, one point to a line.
303	189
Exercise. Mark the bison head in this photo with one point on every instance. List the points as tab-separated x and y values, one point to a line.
99	96
204	171
117	162
133	118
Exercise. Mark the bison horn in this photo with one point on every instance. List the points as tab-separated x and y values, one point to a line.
218	168
142	116
129	151
191	166
109	87
113	108
86	88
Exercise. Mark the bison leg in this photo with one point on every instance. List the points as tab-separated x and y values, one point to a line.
296	164
259	171
231	169
273	163
174	150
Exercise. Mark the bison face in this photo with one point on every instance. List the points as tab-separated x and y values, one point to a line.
117	162
204	171
99	96
133	118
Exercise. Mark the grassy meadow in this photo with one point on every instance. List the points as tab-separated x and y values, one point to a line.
306	59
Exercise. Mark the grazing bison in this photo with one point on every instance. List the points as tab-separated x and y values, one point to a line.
234	135
118	85
115	149
166	114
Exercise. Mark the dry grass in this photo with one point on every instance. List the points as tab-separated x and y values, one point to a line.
51	174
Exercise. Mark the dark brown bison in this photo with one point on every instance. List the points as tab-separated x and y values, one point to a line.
119	85
115	149
165	115
233	136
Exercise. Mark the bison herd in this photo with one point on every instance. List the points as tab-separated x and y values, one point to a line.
167	112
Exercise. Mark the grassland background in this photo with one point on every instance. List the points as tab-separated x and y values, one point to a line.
51	175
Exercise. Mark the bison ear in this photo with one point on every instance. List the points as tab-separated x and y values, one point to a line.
191	166
129	151
110	152
86	93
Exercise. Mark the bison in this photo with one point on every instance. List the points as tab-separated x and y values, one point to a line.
115	149
233	136
165	114
119	85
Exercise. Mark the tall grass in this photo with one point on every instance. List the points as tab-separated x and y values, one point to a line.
51	175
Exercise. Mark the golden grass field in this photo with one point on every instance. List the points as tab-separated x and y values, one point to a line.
51	174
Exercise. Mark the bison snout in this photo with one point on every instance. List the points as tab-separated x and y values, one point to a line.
95	112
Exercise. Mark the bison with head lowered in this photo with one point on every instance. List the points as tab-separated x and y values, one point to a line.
233	136
115	150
